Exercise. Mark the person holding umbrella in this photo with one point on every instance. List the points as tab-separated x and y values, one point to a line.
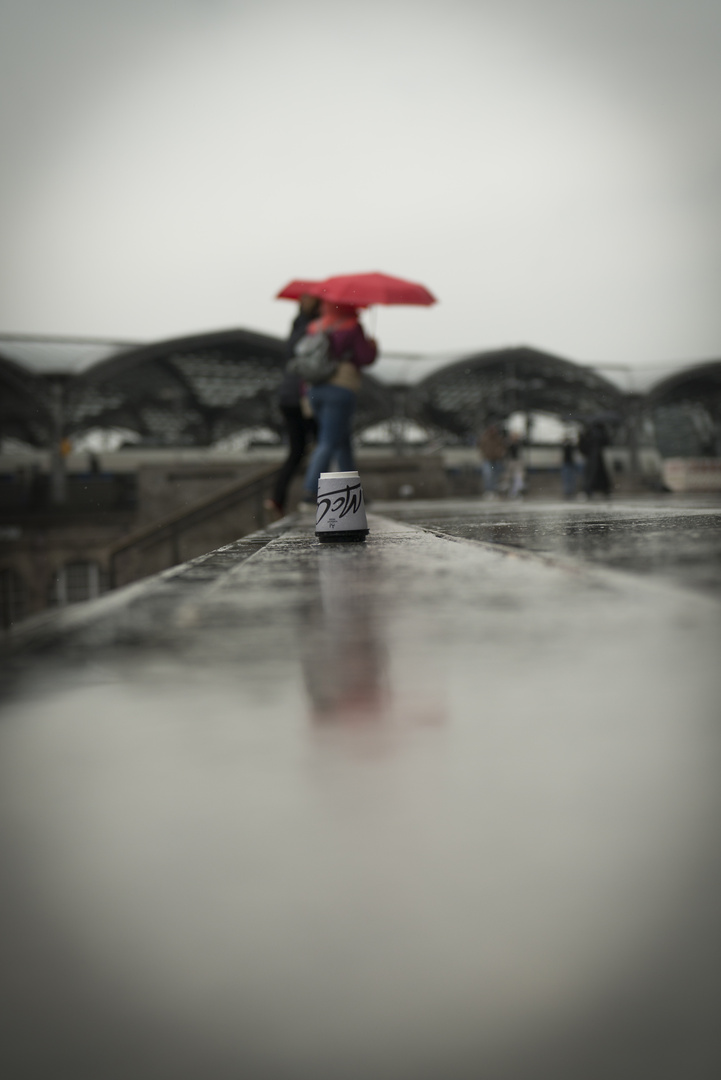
333	402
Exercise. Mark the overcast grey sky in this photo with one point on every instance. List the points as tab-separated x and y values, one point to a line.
551	169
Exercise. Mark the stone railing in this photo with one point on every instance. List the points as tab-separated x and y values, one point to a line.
222	517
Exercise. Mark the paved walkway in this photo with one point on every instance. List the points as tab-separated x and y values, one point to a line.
420	807
675	538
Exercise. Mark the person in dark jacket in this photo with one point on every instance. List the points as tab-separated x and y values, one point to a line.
592	443
569	473
300	425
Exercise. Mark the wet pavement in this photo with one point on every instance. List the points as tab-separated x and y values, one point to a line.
676	539
420	807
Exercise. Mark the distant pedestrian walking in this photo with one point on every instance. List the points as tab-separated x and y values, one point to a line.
592	443
493	447
299	422
517	468
569	471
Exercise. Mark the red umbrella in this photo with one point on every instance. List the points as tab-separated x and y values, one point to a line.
361	290
297	288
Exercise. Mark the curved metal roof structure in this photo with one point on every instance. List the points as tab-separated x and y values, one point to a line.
686	410
196	390
698	384
24	410
186	391
461	397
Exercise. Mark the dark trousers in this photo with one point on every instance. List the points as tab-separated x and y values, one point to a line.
596	477
301	431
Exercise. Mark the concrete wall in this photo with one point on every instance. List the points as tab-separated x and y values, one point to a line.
188	542
37	550
167	488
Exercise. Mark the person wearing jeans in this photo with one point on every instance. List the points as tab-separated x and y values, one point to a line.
333	408
494	447
333	402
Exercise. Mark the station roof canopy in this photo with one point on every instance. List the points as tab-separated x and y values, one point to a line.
196	390
185	391
461	397
700	384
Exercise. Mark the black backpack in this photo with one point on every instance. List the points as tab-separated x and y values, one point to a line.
312	359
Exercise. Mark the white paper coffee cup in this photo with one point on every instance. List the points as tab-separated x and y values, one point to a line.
341	512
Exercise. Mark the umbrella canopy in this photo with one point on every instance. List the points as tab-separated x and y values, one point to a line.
363	290
297	288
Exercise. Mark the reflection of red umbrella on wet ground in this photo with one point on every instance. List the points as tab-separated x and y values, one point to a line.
360	290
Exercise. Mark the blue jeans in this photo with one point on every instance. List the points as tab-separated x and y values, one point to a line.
333	408
568	480
492	474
